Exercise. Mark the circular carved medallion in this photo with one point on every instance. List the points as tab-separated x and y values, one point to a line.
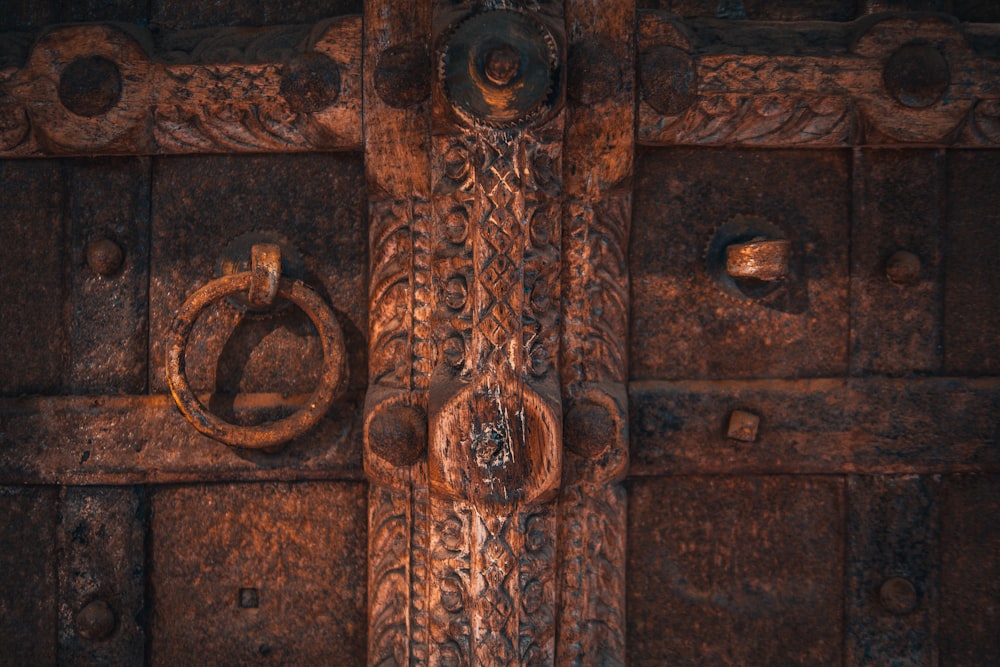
500	68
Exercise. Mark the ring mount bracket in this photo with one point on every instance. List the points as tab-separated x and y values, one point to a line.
236	257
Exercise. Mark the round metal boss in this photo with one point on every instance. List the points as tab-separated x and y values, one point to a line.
500	68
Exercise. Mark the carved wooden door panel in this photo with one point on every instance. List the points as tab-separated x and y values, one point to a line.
502	333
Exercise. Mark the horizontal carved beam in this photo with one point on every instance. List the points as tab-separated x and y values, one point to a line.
823	426
909	78
109	89
884	79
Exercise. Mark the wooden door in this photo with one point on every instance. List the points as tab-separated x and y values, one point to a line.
629	335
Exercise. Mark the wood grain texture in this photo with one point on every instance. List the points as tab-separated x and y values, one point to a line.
597	208
707	82
279	89
827	426
717	83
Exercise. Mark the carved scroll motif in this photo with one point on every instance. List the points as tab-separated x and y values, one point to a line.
104	88
910	78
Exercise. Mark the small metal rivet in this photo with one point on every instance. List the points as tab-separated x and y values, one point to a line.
96	620
403	75
589	428
668	79
104	257
903	268
898	596
249	598
743	426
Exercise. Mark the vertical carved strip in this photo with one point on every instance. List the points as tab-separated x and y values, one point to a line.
537	586
495	627
592	558
451	593
397	75
388	576
390	317
599	145
419	571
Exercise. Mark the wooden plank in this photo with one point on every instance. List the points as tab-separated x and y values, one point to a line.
33	291
108	211
893	570
736	571
29	594
145	439
102	576
689	318
972	273
250	573
816	426
970	570
897	247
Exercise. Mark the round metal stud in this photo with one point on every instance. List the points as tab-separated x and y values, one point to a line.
916	75
403	75
90	86
310	82
500	68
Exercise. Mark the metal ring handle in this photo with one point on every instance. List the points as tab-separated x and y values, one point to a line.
264	436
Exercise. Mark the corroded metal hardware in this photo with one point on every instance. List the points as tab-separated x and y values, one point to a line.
758	259
749	257
96	620
903	268
263	284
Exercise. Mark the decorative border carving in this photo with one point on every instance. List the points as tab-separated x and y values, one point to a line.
298	88
290	88
758	84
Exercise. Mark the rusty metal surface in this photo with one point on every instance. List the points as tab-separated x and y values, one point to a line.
817	426
145	439
893	570
735	571
761	10
102	576
32	288
258	573
266	436
972	273
108	208
685	324
28	586
970	570
178	14
897	303
200	205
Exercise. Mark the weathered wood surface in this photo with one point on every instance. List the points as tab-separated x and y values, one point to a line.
915	78
817	426
597	209
911	78
105	88
468	543
144	439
